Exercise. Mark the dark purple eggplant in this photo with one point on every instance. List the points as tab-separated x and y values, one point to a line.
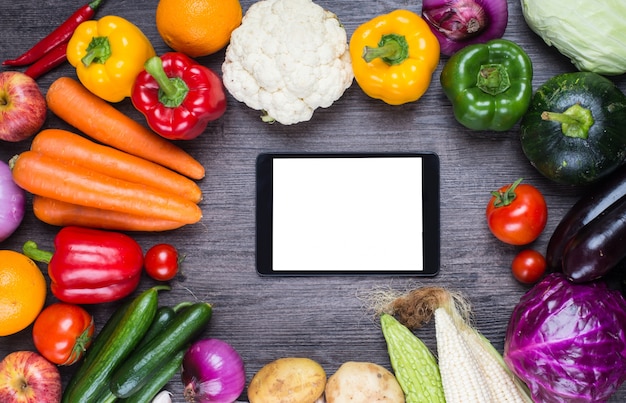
598	247
598	199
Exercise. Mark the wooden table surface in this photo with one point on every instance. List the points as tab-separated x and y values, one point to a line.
324	318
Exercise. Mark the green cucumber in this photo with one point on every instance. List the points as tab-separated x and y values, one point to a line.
159	379
98	342
139	368
164	315
93	384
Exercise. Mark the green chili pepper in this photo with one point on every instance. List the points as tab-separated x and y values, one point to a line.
489	85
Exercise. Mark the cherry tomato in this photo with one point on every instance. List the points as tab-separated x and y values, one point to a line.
161	262
517	213
528	266
62	332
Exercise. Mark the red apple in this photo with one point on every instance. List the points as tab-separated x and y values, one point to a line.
23	107
27	377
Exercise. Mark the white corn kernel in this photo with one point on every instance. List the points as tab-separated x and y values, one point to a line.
462	380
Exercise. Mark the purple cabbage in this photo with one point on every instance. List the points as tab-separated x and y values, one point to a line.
567	341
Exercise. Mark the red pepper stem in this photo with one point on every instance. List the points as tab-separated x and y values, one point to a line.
172	90
31	250
95	4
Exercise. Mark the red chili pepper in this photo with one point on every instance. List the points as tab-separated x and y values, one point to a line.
178	96
90	266
61	34
47	62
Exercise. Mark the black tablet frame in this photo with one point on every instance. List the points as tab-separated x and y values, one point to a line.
430	214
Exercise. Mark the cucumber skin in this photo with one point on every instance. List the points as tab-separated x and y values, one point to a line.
163	316
137	369
126	335
97	344
164	374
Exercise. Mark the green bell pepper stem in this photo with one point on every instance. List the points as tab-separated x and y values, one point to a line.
172	91
493	79
392	49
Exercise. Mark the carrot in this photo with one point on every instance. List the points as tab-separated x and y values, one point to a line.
56	212
62	180
113	162
72	102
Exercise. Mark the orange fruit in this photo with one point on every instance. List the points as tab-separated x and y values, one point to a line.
22	292
197	27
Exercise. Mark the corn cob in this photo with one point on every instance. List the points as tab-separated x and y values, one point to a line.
460	375
504	385
471	369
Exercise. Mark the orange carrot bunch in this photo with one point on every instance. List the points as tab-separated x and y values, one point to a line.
134	181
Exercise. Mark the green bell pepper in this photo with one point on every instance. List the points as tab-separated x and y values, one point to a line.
489	85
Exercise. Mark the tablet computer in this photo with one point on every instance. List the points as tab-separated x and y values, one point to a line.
347	213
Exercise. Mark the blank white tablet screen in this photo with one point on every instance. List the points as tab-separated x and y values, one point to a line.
347	214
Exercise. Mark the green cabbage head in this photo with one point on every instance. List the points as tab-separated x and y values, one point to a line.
591	33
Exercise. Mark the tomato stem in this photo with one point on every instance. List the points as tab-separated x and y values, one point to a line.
81	344
504	198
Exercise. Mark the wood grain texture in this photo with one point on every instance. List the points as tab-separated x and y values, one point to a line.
324	318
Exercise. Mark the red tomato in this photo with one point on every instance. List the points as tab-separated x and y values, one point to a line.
161	262
62	332
517	213
528	266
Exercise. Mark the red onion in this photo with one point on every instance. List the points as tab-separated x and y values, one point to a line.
12	203
458	23
213	372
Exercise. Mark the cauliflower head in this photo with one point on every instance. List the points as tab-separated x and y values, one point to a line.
287	58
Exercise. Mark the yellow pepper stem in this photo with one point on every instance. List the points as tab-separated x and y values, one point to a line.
98	51
392	49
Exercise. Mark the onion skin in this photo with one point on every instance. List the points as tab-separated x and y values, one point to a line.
212	372
458	23
12	203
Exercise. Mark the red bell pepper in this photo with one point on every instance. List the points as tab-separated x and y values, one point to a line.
178	96
90	266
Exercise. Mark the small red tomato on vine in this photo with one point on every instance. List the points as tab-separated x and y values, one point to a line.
162	262
62	332
528	266
517	213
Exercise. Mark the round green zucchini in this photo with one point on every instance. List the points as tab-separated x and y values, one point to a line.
574	131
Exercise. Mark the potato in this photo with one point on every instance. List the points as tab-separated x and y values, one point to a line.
288	380
363	382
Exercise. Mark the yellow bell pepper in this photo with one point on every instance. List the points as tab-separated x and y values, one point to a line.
394	57
108	55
